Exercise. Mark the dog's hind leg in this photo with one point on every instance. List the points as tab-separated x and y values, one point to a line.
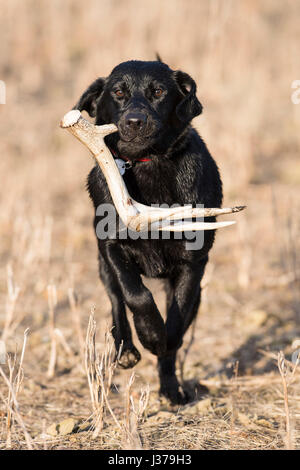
169	293
121	331
184	308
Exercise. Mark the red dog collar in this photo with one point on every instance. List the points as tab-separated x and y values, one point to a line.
116	155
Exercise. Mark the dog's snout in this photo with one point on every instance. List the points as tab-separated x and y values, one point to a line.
135	121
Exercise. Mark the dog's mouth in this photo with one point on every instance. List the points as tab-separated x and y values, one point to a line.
134	147
133	144
130	137
137	135
136	139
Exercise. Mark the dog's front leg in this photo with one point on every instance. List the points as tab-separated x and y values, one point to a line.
128	356
148	322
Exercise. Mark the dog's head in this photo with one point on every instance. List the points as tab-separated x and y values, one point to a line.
150	104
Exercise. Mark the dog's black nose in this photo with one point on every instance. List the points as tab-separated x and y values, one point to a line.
135	121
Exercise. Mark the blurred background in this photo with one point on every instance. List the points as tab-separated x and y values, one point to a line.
244	56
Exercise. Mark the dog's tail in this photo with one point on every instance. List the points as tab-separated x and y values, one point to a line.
158	58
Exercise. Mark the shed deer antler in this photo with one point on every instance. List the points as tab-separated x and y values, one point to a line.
136	216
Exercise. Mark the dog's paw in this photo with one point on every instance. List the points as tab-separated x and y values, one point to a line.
173	397
129	358
171	390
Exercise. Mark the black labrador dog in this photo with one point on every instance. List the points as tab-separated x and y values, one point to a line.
167	163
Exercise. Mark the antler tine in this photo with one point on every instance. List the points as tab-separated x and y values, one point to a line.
188	226
188	211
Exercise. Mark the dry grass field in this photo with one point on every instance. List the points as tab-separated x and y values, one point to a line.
244	56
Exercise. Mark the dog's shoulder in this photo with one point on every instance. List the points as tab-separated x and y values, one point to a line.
197	172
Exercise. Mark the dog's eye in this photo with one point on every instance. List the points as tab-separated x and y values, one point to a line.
158	92
119	93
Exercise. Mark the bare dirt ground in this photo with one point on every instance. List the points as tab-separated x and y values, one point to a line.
244	59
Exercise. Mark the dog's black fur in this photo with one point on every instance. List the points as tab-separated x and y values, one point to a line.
152	106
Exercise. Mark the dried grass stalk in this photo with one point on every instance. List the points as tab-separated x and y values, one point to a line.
100	371
13	292
52	302
77	322
13	382
287	375
134	416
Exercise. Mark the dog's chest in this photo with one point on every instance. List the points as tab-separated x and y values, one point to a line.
153	184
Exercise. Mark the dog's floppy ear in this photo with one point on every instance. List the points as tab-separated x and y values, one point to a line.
88	101
189	107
